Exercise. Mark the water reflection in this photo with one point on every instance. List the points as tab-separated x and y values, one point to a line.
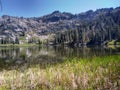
24	57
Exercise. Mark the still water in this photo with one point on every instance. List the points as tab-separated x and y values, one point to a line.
25	57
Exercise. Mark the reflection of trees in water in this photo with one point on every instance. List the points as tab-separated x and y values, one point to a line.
84	51
6	53
19	57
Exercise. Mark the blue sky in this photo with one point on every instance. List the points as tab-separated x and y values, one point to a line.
36	8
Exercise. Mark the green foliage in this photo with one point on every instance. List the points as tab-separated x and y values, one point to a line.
76	73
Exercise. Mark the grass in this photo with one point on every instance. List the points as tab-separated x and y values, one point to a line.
20	45
117	43
98	73
113	42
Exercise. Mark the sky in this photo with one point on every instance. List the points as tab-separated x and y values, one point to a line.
37	8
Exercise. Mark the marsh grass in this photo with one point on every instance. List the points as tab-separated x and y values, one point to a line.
97	73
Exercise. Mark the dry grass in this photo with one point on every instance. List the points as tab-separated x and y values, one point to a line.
74	74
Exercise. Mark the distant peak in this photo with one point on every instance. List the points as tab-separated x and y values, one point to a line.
56	12
5	16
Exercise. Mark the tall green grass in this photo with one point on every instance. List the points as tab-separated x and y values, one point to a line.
97	73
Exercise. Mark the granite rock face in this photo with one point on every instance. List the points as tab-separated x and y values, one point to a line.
12	29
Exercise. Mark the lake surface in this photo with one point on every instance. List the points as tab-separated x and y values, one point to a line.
25	57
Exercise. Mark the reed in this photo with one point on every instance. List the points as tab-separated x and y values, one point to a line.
74	74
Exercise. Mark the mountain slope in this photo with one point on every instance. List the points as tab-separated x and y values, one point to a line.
92	27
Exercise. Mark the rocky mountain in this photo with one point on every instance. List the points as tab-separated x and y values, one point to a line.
91	27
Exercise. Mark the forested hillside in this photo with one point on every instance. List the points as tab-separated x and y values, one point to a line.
89	28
